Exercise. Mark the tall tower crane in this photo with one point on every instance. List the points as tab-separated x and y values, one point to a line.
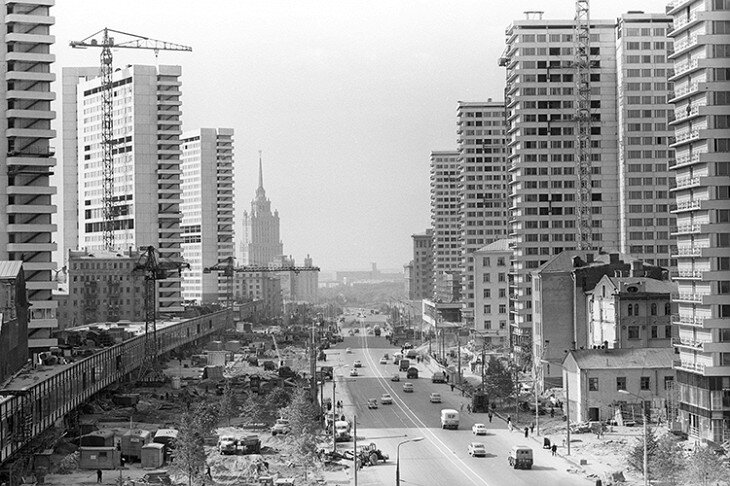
582	64
106	43
152	268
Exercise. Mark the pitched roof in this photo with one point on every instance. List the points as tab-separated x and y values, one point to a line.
627	358
10	269
499	245
563	261
651	285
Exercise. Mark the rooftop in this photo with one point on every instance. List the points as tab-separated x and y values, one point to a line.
632	358
499	245
10	269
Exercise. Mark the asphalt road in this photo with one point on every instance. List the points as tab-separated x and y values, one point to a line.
441	458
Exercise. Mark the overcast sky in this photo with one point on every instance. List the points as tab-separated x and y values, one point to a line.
346	99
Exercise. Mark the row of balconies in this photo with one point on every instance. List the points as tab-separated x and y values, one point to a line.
691	274
683	251
688	320
689	205
680	22
683	160
686	182
682	44
685	67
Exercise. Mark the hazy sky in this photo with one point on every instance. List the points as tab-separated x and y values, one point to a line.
346	99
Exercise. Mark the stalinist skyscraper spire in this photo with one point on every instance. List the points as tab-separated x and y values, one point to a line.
261	242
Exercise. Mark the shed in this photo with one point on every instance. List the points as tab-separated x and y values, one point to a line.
133	441
153	455
98	438
99	458
216	358
233	346
165	437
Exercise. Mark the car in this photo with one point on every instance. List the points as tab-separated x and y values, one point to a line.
348	351
434	398
408	387
396	377
281	427
477	449
357	363
372	403
386	399
383	360
353	372
479	429
407	346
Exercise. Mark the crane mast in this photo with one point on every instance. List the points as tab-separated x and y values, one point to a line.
582	64
107	42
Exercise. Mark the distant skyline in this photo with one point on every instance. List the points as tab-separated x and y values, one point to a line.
346	99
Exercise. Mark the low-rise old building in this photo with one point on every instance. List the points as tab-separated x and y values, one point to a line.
491	292
13	318
260	286
102	287
602	381
631	312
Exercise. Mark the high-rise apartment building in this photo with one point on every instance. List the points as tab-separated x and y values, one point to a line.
421	268
642	65
482	188
445	222
207	211
541	105
146	123
701	78
26	228
261	243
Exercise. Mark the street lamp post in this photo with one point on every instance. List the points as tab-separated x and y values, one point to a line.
567	402
397	458
646	450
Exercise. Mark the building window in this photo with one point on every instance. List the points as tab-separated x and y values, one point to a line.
485	278
485	261
667	309
500	261
654	332
631	310
667	381
502	308
592	384
645	383
633	332
621	383
668	331
653	309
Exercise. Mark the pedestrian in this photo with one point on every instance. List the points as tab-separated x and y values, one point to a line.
452	387
468	408
527	432
462	407
532	427
554	449
98	476
552	412
509	423
490	417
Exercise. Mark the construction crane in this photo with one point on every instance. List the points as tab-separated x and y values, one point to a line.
106	43
153	268
582	64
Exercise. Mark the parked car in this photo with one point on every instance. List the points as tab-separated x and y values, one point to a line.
434	398
357	364
477	449
383	360
353	372
348	351
408	387
372	403
386	399
479	429
281	427
407	346
396	377
520	457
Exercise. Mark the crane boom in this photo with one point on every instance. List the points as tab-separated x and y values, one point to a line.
582	63
106	43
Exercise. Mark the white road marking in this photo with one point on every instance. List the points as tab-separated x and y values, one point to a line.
442	447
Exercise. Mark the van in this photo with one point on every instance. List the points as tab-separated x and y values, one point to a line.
342	431
438	377
520	457
404	364
449	419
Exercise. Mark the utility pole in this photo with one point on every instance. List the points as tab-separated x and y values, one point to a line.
567	409
334	414
313	367
458	356
354	444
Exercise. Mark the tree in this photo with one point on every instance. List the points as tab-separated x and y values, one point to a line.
301	412
189	455
668	461
205	418
304	450
498	381
228	404
705	468
252	410
635	456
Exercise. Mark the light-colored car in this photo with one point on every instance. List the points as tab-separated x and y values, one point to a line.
383	361
281	427
408	387
396	377
477	449
372	403
353	372
479	429
357	363
434	398
348	351
386	399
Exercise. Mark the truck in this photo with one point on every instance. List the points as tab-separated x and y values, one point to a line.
404	364
449	419
376	330
342	431
412	372
438	377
